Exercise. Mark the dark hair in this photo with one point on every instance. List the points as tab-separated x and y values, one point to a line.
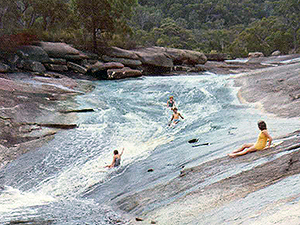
116	152
262	125
175	109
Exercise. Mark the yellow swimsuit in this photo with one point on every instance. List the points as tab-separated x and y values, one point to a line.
261	141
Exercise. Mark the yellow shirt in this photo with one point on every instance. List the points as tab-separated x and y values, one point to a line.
261	141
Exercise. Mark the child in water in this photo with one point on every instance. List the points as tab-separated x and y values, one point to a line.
116	159
260	144
171	102
175	117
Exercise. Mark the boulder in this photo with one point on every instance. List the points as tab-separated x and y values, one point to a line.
115	52
33	66
154	57
34	53
124	61
98	66
188	57
276	53
255	54
125	72
58	49
56	67
216	57
77	67
4	68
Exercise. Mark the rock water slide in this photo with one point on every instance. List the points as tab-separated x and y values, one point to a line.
259	170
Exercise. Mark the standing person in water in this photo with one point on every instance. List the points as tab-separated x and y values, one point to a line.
175	117
171	102
116	159
260	144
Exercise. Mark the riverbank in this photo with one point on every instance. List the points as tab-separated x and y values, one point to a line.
31	110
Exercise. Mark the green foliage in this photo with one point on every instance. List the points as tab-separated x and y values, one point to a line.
225	26
289	10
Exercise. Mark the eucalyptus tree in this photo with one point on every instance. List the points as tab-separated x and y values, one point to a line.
290	12
99	16
9	15
52	12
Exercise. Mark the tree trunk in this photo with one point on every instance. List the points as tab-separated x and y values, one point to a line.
94	37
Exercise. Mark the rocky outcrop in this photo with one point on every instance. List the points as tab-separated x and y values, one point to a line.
99	69
255	54
57	49
33	66
61	57
155	60
217	57
185	57
126	62
120	53
56	67
276	53
4	68
76	67
34	53
125	72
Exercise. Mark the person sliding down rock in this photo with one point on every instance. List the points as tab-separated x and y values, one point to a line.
171	102
175	117
116	159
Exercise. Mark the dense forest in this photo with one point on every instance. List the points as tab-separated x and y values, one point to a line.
235	27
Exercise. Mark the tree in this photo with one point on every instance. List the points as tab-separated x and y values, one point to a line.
290	11
53	12
100	16
95	15
264	35
9	15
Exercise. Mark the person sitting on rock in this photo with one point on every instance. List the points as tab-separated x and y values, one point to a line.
175	117
260	144
171	102
116	159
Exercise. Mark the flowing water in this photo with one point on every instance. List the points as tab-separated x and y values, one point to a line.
65	181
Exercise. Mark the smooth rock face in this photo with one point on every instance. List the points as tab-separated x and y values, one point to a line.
124	61
34	53
58	49
120	53
153	57
188	57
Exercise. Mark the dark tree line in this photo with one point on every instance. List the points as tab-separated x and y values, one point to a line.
225	26
229	26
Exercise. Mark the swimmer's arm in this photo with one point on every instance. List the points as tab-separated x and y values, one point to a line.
112	164
122	152
181	116
171	120
269	137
